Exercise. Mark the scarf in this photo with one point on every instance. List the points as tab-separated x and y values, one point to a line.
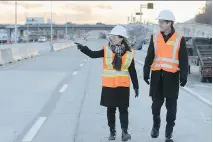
119	51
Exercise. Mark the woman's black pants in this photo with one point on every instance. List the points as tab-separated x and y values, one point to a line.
123	113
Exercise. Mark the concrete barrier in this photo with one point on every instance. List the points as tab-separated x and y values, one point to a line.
57	46
10	54
14	52
69	45
60	46
32	52
7	55
23	51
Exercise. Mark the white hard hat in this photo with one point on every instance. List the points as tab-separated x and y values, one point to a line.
166	15
119	31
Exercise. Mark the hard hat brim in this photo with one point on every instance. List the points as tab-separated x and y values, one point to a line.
118	35
164	19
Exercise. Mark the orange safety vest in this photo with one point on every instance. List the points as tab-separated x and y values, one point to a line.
112	78
166	54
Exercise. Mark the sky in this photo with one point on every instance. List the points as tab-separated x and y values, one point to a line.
91	12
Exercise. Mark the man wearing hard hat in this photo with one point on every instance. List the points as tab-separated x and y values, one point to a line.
168	61
118	68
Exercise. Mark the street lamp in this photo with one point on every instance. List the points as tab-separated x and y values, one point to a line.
51	25
15	22
128	19
148	6
27	22
66	21
51	28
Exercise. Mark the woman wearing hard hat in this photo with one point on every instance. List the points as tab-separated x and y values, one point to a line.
118	68
167	58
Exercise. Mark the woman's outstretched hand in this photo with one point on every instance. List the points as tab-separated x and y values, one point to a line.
80	46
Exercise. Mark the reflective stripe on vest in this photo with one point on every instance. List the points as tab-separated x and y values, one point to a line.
166	60
108	58
176	46
128	59
155	37
113	73
172	63
163	65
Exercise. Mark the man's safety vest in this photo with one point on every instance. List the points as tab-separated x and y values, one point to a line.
166	54
112	78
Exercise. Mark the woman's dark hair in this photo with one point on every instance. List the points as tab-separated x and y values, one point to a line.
125	43
172	23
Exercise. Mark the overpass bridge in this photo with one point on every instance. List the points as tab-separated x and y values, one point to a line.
71	28
59	27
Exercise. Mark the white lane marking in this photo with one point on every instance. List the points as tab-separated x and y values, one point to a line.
199	85
202	115
81	65
63	88
197	96
33	131
205	119
85	60
75	73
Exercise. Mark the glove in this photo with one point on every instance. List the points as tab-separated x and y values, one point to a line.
146	80
146	72
80	46
183	82
136	92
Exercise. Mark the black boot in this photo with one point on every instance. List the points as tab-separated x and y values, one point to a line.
156	127
168	134
112	134
155	132
169	139
125	135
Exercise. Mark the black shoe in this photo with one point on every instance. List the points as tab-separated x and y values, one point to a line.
155	132
125	136
156	126
112	134
169	139
168	134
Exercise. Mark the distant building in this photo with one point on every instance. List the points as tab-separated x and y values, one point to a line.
34	20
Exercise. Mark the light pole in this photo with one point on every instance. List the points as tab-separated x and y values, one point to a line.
15	22
128	20
51	28
27	22
140	12
147	6
51	25
66	21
